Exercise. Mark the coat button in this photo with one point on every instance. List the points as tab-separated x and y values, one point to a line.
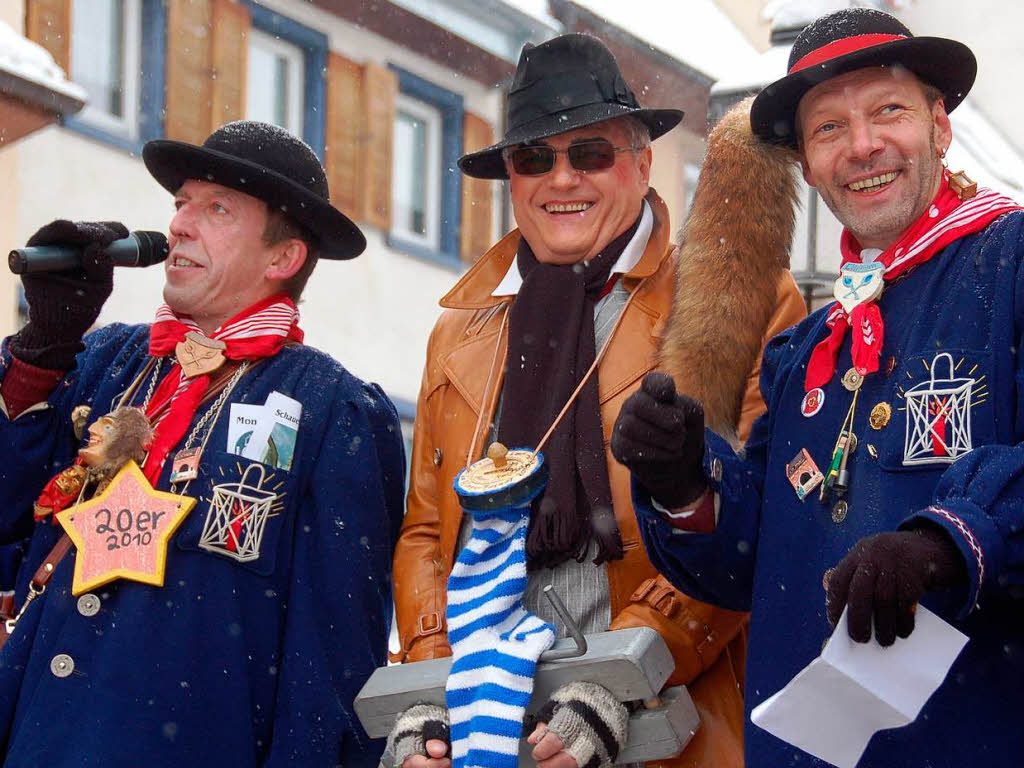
438	457
62	665
716	470
88	605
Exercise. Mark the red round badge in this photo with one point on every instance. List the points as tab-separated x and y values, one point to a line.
812	402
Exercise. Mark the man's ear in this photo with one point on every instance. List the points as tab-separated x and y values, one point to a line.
943	128
643	159
291	255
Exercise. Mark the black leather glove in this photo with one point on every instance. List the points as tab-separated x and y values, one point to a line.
884	576
62	306
659	437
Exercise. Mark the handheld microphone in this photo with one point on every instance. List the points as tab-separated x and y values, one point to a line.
139	249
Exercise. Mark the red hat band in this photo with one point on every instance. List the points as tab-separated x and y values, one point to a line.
842	47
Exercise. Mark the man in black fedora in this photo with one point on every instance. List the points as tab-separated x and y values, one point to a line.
590	268
247	641
887	470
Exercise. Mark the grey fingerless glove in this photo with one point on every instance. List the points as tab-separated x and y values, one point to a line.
592	723
414	728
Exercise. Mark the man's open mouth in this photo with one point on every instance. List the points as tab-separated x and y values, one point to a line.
875	183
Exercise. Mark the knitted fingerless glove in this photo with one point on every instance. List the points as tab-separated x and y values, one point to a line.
592	723
414	728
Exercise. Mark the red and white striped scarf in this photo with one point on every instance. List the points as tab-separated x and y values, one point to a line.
255	333
947	219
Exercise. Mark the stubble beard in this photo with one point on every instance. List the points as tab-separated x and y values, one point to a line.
886	224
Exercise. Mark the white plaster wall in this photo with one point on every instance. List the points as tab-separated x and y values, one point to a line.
374	314
12	13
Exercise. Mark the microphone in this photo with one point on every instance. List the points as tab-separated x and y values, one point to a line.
139	249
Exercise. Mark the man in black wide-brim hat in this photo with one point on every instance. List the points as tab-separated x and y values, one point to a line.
270	603
888	469
590	267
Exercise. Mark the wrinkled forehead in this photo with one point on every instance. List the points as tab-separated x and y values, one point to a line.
866	82
607	130
202	189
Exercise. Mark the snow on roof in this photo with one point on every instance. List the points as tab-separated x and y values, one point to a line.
767	68
31	62
695	32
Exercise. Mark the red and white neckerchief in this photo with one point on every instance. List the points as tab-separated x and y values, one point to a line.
947	219
255	333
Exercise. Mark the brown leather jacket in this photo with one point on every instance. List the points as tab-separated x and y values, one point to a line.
708	644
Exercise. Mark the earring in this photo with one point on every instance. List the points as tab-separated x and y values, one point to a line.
942	157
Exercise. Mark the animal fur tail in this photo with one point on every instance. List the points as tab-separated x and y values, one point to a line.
734	248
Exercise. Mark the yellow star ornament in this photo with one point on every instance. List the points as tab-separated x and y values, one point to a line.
123	532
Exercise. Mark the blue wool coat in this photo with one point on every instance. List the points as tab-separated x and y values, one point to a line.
963	309
229	663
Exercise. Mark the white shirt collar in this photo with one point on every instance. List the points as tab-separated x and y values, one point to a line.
510	284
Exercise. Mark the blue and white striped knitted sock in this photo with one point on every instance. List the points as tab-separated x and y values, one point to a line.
495	642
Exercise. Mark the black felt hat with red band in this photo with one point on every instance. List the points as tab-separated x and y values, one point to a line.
855	38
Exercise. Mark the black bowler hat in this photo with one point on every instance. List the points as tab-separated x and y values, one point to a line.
569	82
268	163
850	39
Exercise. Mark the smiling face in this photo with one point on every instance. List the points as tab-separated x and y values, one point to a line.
567	215
101	432
218	262
870	144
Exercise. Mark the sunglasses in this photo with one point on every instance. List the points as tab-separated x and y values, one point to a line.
585	156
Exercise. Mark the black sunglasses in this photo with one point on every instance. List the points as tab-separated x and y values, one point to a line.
585	156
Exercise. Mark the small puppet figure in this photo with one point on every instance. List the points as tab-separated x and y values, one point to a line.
123	434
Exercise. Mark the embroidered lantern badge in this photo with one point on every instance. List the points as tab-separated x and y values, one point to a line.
938	429
238	516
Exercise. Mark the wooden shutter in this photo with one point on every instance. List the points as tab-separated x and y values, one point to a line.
230	58
380	88
477	194
188	70
48	22
344	151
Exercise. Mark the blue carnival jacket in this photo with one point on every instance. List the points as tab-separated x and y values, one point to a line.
229	663
952	372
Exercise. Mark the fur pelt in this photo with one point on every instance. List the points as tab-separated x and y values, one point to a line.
734	248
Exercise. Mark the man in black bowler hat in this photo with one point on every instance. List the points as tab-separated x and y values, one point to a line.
246	645
589	268
887	472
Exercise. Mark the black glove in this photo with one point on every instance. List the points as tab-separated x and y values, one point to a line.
884	576
659	436
62	306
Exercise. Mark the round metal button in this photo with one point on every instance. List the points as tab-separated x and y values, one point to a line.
852	379
88	605
880	415
716	470
839	512
62	665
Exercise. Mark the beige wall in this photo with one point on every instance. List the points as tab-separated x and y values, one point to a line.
12	12
746	15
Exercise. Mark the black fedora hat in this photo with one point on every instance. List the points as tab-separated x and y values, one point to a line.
268	163
568	82
850	39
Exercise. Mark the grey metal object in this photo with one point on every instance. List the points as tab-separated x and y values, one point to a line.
657	733
556	654
631	663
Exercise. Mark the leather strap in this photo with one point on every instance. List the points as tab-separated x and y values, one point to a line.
45	571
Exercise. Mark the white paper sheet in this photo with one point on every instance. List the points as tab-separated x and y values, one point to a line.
834	706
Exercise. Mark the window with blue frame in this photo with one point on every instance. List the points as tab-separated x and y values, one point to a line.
426	184
117	55
286	75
